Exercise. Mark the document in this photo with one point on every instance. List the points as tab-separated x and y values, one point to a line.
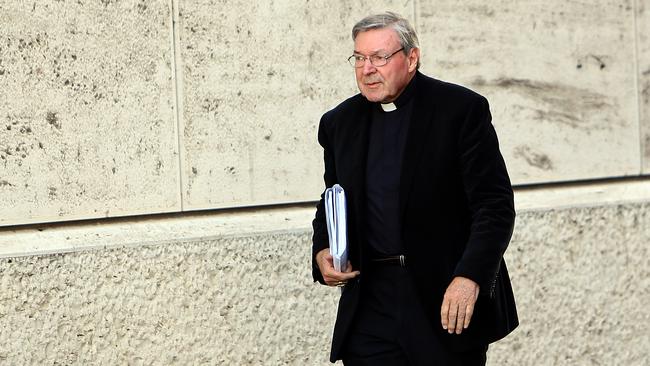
336	216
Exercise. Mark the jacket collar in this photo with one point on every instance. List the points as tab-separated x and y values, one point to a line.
402	99
419	126
423	109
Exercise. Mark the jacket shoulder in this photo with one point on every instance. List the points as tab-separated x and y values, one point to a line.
345	108
449	94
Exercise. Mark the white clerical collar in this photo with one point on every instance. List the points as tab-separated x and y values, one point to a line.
388	107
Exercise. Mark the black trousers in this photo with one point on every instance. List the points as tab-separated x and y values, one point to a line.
392	329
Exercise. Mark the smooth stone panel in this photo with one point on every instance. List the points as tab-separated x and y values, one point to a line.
87	125
643	39
257	77
560	77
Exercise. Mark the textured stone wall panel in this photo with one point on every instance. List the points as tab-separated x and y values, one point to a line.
581	279
225	302
643	39
257	77
86	110
559	76
582	282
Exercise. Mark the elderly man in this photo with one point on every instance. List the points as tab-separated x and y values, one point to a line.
430	211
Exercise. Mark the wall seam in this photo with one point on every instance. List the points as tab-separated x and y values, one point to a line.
637	87
177	76
415	16
57	240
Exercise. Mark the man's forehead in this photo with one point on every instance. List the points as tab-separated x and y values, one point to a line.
376	41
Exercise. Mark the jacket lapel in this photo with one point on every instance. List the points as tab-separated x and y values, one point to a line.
421	122
358	145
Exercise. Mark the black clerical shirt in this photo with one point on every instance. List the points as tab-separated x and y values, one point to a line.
388	132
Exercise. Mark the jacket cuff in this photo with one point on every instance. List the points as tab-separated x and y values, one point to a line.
486	282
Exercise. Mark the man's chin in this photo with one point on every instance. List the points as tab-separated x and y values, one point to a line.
373	97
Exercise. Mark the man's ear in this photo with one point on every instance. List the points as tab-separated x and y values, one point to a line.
413	58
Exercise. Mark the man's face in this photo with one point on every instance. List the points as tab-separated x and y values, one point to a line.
383	83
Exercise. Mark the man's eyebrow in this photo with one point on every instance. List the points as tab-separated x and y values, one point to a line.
379	51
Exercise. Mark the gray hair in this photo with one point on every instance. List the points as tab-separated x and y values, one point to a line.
405	32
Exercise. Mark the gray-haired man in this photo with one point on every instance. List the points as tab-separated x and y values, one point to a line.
430	210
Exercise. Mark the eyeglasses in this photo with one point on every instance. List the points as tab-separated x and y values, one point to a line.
376	60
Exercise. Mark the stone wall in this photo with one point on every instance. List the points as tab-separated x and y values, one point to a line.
581	278
111	109
122	107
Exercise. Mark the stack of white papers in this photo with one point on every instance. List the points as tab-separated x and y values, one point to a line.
335	214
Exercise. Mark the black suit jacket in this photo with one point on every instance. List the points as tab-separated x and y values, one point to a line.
456	205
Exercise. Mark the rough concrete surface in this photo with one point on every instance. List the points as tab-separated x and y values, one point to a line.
239	301
560	77
257	77
582	283
643	45
87	123
581	279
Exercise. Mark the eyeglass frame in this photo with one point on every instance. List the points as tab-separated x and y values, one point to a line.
352	60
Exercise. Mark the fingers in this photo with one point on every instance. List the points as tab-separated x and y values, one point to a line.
451	317
453	314
460	320
334	278
458	305
348	267
444	313
324	257
331	276
468	315
344	276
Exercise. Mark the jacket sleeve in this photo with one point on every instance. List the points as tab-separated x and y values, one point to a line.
490	198
320	239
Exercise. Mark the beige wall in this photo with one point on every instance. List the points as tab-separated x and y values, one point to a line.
213	296
643	42
87	126
561	77
115	108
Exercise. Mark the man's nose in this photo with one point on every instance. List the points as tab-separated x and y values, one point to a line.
368	67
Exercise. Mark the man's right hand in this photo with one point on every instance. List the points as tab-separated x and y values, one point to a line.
331	276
